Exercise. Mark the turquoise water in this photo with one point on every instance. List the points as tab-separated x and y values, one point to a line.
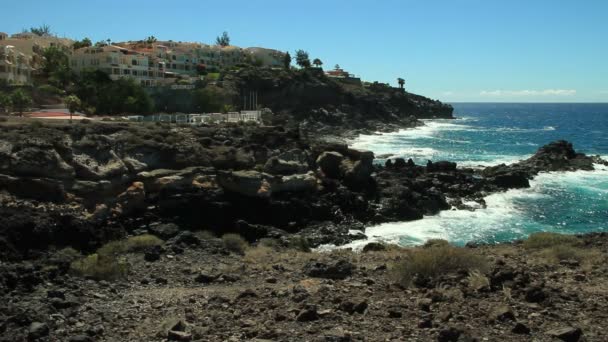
490	134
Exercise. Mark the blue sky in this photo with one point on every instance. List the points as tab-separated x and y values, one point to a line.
452	50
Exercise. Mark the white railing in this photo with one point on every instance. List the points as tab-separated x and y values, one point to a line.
200	119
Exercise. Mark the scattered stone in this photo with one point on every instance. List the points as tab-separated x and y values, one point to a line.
308	314
374	247
501	313
450	334
173	335
521	329
340	269
568	334
37	330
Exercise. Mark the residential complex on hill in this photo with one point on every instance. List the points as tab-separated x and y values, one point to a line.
21	55
150	63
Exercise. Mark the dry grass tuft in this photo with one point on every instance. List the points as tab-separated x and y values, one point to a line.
548	239
205	235
100	267
235	243
437	261
478	281
107	263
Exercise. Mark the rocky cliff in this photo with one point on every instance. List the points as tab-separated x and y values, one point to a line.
311	99
83	184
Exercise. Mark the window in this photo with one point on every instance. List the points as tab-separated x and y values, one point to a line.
144	73
116	71
126	72
174	66
134	72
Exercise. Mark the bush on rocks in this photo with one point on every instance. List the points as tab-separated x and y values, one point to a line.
234	243
429	263
548	239
100	267
107	263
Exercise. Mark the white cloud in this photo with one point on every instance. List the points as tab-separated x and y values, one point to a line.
545	92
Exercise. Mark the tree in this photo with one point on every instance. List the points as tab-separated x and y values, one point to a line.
86	42
5	102
337	67
44	30
287	60
302	59
317	62
56	67
223	40
73	103
20	100
401	82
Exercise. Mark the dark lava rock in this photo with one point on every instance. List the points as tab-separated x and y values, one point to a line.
521	329
330	162
535	294
501	313
179	336
352	306
568	334
37	330
205	278
153	253
440	166
340	269
450	334
165	230
308	314
374	247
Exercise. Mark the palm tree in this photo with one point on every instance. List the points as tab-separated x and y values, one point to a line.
317	62
401	82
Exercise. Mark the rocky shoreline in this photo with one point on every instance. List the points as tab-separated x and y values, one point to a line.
83	185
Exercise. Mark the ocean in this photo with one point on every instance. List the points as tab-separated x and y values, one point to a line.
486	134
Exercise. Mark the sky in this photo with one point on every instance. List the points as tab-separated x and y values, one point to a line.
451	50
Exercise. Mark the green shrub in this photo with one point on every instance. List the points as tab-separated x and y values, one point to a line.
435	243
133	244
100	267
298	243
107	263
568	252
205	235
235	243
437	261
272	243
548	239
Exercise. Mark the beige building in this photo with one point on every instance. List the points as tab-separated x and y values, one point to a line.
119	62
15	67
21	55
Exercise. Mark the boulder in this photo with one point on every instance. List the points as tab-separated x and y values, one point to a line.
38	162
37	330
340	269
295	183
41	189
568	334
165	230
330	162
95	167
246	183
133	199
277	166
357	172
501	313
440	166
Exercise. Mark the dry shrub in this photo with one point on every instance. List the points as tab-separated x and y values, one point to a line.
260	255
271	243
478	281
298	243
234	243
205	235
548	239
437	261
100	267
133	244
107	263
567	252
430	243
